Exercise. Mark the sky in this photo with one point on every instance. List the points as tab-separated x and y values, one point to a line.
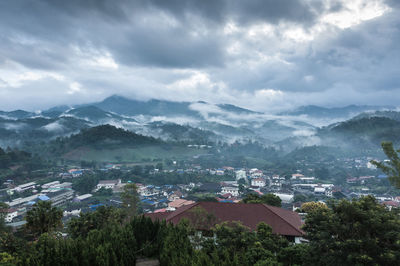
265	55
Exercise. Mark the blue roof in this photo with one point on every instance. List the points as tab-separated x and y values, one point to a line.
96	205
148	201
382	176
43	198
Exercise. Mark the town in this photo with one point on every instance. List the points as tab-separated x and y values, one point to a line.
65	189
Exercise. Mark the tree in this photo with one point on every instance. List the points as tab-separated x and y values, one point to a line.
98	220
159	166
358	232
391	168
43	218
269	199
130	199
3	214
312	206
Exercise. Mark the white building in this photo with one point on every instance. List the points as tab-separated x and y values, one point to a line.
83	197
21	188
240	174
11	213
276	181
258	182
108	184
285	198
234	191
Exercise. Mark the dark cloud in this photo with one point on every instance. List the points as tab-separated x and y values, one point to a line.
130	47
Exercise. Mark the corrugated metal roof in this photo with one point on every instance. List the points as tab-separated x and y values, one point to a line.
282	222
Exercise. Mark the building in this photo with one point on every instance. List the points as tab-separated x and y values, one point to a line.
283	222
172	206
61	197
108	184
240	174
83	197
9	214
258	182
285	198
234	191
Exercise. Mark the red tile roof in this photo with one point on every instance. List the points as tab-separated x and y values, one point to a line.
282	222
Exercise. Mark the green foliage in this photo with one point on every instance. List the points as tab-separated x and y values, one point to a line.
104	192
361	232
130	199
85	183
43	218
269	199
103	216
391	168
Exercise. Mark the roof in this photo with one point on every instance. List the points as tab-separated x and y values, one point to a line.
108	182
180	202
282	222
43	198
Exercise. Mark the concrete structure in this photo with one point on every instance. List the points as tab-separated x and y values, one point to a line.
234	191
108	184
258	182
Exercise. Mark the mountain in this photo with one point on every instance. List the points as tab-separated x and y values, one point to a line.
175	132
107	143
124	106
388	114
196	122
346	112
94	115
364	134
17	114
37	129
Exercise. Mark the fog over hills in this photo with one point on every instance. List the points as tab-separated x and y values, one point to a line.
196	121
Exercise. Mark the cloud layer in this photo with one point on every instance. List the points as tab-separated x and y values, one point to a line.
263	55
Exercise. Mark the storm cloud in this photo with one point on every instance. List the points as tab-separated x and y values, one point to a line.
263	55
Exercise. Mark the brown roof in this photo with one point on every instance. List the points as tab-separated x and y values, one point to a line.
282	222
179	203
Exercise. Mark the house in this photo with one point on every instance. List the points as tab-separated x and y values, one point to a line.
240	174
391	204
108	184
178	203
296	176
23	187
82	197
61	197
258	182
283	222
234	191
285	198
9	214
176	195
276	181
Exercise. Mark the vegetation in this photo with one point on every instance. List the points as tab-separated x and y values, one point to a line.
391	168
360	232
43	218
269	199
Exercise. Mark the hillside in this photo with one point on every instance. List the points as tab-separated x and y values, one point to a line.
110	144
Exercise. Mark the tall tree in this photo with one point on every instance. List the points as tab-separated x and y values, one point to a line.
130	199
43	218
391	168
